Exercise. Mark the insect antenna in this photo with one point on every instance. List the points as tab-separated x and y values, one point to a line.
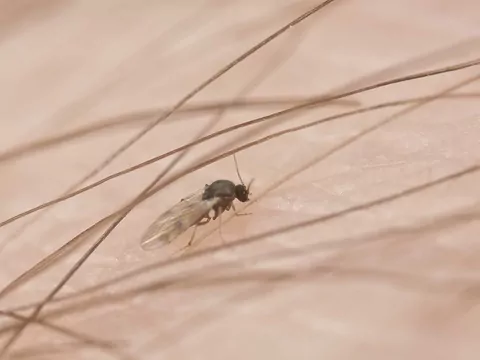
239	176
249	185
236	168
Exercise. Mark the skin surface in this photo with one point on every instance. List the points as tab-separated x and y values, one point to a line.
355	247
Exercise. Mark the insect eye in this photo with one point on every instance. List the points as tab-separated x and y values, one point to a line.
241	193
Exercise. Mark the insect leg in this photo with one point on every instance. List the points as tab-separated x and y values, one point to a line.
239	214
193	235
200	223
220	229
203	222
217	211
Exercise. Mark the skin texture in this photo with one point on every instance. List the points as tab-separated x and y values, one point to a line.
362	235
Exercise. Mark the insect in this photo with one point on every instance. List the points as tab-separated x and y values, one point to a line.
195	210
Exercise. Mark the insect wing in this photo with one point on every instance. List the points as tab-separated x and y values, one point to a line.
176	221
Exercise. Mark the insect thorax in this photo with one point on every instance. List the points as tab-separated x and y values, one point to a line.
220	188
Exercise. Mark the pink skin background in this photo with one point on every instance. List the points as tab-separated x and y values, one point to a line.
394	281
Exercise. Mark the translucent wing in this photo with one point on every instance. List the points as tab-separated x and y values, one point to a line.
176	221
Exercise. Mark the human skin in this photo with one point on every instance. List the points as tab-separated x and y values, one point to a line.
360	242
